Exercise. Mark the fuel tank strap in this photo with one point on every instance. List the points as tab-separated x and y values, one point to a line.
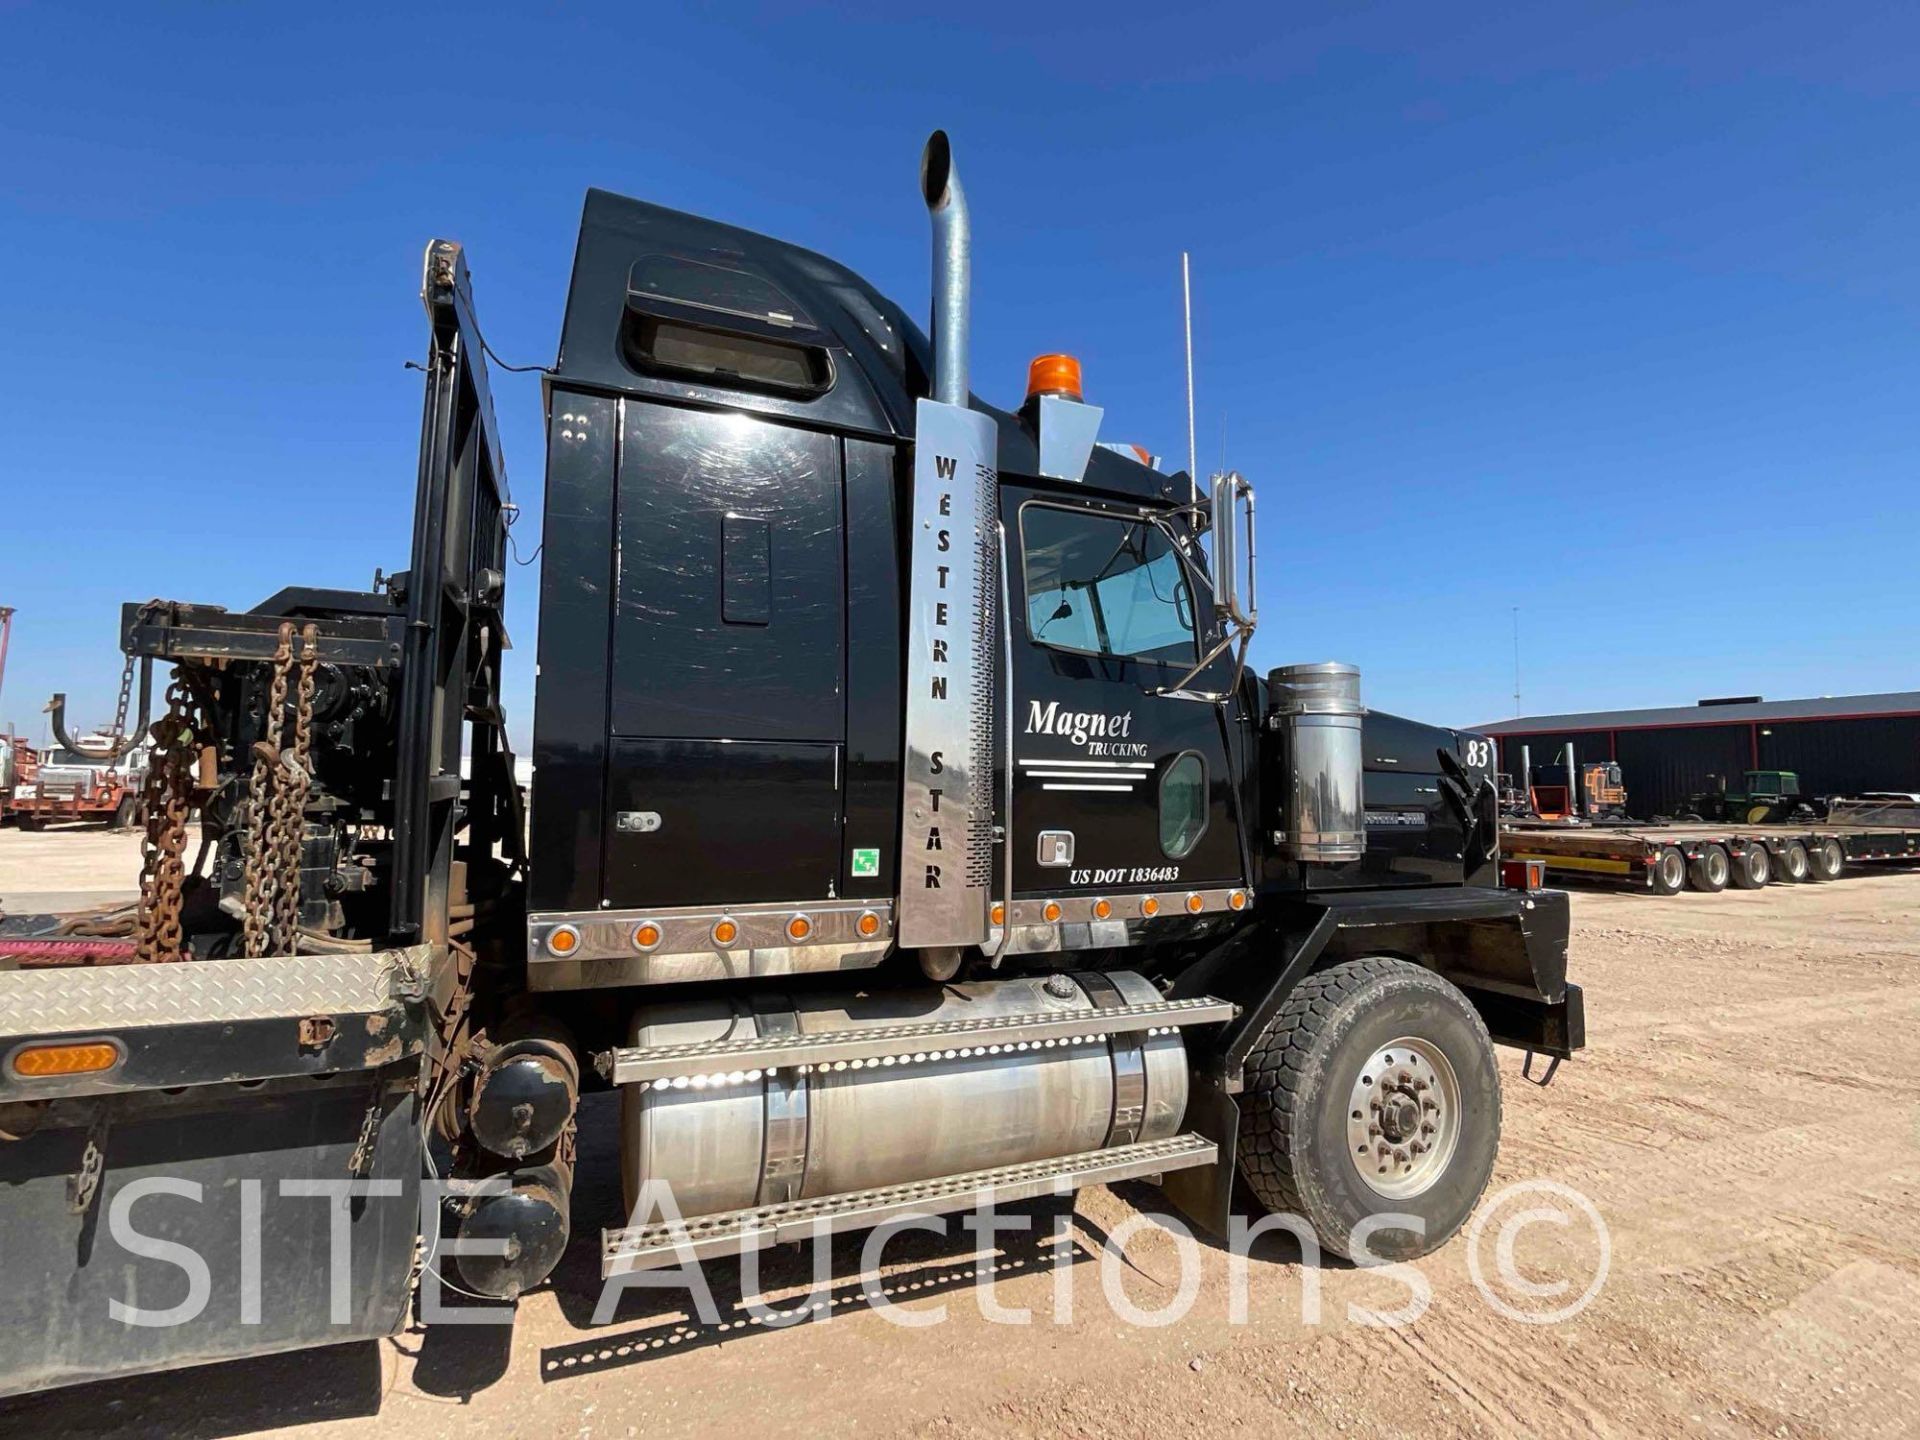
1128	1051
783	1169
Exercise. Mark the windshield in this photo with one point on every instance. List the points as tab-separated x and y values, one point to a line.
1104	585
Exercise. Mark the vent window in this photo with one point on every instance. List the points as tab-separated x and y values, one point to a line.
1183	805
721	357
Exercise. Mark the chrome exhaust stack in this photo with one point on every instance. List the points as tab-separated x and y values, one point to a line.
947	811
952	268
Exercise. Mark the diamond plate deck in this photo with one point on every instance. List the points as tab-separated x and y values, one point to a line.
127	997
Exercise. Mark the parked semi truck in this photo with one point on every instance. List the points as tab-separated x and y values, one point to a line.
906	833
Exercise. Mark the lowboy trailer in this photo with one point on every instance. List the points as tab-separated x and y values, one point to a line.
906	834
1666	859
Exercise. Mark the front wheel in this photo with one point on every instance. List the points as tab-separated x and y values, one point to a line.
1372	1092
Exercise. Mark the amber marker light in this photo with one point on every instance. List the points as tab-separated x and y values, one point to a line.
1102	909
1195	904
646	935
1237	900
998	913
46	1062
799	927
725	932
1051	911
1149	907
1054	375
563	940
868	924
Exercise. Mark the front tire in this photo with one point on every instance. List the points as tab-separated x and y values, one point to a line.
1373	1091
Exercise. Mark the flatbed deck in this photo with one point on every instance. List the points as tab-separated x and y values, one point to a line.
1629	853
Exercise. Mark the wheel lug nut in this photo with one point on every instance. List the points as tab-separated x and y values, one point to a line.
1419	1085
1373	1132
1429	1105
1401	1156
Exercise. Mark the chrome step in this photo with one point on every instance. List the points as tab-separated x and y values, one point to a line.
647	1247
630	1065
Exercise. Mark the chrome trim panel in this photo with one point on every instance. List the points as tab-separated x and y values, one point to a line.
1128	906
946	818
607	955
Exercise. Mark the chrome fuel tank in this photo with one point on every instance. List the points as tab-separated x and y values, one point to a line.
806	1131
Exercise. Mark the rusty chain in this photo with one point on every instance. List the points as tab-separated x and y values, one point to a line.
119	731
259	888
168	798
288	837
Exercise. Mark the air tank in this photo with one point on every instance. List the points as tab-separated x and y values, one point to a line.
802	1132
1321	813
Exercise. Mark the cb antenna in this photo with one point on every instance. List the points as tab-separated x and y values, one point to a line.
1516	662
1193	452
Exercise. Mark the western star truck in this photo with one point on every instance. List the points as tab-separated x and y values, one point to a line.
906	832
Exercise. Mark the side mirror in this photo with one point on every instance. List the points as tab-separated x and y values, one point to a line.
1236	604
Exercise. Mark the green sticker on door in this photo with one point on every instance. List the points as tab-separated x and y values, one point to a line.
866	863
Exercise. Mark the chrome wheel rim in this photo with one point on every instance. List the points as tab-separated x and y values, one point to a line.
1403	1118
1717	867
1673	868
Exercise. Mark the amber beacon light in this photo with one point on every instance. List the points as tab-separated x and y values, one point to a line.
1054	375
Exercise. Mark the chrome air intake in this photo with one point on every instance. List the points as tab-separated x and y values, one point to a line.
745	1137
1317	713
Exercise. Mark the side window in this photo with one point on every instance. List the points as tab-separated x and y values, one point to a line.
1183	805
1104	585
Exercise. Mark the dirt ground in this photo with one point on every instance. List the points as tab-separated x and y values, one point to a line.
1745	1124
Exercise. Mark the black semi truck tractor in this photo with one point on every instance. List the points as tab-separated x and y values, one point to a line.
906	833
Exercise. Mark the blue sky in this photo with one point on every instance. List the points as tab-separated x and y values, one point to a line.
1607	312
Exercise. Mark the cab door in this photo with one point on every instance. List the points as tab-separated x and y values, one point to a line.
1118	793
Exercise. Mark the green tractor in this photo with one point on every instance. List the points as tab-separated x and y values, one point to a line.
1768	797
